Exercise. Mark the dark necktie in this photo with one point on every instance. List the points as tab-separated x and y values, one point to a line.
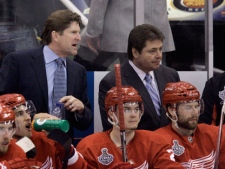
59	88
153	93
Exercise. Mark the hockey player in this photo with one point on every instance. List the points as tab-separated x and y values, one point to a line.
193	144
47	150
145	149
8	149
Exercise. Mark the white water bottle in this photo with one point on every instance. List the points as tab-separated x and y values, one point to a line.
59	110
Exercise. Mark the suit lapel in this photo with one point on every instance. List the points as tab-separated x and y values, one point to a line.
134	80
38	64
159	76
70	73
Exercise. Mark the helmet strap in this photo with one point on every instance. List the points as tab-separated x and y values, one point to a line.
116	121
181	130
173	120
177	126
184	132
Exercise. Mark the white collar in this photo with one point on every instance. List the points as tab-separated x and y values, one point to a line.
140	72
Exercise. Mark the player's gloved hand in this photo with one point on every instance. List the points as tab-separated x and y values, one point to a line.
123	165
18	163
62	143
61	151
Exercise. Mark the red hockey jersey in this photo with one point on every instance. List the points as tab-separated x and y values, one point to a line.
13	152
45	150
198	151
147	150
48	154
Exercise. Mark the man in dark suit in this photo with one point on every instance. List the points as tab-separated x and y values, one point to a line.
145	44
31	72
213	96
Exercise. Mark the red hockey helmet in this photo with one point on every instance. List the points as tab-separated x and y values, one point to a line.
6	115
129	94
14	100
179	92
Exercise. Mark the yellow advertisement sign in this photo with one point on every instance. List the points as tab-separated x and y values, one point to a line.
194	9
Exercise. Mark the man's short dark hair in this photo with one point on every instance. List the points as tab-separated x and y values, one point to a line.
140	35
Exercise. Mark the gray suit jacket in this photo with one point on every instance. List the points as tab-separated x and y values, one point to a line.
114	19
24	72
150	120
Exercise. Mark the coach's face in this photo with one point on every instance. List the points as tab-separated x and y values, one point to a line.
67	41
150	57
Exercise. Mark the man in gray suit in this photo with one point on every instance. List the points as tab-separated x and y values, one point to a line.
104	40
32	72
145	45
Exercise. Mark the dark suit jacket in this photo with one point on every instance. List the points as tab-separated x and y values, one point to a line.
213	95
150	120
24	72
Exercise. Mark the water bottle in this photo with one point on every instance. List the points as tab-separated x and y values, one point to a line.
59	110
50	124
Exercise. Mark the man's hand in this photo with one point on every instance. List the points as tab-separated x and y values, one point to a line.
72	104
44	116
63	145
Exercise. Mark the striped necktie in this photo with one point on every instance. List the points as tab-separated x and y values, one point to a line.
59	88
153	93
